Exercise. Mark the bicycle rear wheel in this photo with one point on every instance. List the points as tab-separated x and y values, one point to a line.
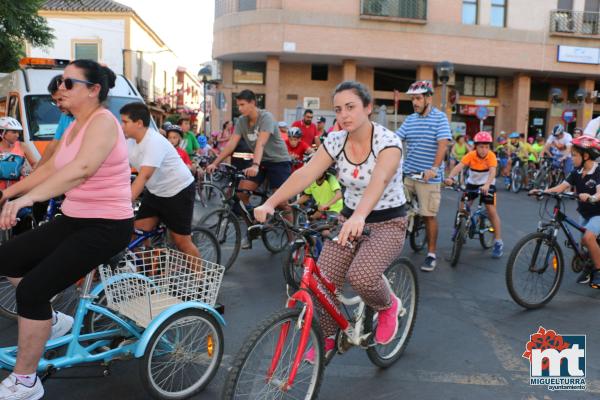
459	240
210	195
534	270
226	227
402	277
418	235
486	232
207	244
249	377
182	355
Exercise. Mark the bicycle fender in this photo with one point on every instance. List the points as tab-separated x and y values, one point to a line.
163	316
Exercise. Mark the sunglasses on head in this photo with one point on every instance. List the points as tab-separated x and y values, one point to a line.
69	82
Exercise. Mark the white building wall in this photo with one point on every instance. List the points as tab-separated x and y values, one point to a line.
111	34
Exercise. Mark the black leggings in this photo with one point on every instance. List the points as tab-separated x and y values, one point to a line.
56	255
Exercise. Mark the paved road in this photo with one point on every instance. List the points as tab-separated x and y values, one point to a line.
467	343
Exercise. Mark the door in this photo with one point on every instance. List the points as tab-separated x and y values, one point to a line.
537	122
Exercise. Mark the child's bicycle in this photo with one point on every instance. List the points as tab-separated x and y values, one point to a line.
469	224
270	363
162	308
536	264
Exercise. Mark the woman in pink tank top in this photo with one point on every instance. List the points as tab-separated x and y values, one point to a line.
91	168
10	129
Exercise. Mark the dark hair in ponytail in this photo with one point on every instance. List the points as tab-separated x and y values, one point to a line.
97	74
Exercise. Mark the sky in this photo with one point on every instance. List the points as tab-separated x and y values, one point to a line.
186	26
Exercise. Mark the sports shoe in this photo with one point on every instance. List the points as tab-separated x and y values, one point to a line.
13	389
595	279
63	325
309	356
429	264
387	325
246	243
584	277
498	250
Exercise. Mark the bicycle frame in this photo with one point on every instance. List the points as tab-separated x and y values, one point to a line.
563	221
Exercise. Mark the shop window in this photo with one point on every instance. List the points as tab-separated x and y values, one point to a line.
389	80
319	72
249	72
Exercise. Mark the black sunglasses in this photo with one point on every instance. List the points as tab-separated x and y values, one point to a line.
69	82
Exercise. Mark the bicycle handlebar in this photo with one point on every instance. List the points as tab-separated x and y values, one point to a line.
560	196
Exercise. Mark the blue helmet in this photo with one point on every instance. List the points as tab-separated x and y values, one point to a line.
514	135
202	141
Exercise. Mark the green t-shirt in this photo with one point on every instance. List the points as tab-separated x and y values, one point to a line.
324	193
275	150
190	143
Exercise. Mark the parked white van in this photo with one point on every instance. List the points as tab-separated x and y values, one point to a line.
24	96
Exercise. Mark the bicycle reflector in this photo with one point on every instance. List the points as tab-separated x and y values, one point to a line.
210	345
555	263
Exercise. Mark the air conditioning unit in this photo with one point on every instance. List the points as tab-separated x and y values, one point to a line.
451	80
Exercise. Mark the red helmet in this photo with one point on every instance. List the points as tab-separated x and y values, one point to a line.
483	137
589	144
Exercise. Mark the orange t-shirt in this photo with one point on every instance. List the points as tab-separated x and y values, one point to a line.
480	167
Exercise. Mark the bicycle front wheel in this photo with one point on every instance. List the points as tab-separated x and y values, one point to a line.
402	277
293	264
207	244
65	302
210	195
276	342
517	179
183	355
534	270
226	227
486	232
459	239
275	238
418	235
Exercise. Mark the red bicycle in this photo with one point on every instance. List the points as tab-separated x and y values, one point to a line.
271	365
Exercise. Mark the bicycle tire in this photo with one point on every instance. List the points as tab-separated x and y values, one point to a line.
416	241
210	195
459	240
207	244
161	342
557	265
226	227
293	264
399	266
275	238
486	234
251	345
516	176
65	301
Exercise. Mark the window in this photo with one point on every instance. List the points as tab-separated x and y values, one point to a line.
87	51
498	15
319	72
247	5
249	72
411	9
469	12
480	86
565	5
260	103
389	80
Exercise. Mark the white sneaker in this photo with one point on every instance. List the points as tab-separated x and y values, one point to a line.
12	389
63	325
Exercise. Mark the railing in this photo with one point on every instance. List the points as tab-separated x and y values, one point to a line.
409	9
575	22
223	7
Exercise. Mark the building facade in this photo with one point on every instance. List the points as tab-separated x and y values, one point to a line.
523	61
113	34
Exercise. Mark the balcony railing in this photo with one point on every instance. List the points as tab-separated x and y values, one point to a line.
575	22
405	9
223	7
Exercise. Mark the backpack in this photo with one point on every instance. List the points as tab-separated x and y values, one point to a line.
10	166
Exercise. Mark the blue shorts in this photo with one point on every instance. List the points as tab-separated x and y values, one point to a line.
275	172
592	224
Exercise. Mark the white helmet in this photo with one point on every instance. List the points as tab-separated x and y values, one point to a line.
421	87
10	124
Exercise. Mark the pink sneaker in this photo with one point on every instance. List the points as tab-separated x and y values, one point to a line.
387	326
309	356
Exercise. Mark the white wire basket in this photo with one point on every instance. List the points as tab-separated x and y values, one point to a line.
145	283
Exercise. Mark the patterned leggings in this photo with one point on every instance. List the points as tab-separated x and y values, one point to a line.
363	269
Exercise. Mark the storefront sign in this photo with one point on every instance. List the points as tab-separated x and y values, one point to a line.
482	102
579	55
568	116
466	109
314	103
538	121
482	113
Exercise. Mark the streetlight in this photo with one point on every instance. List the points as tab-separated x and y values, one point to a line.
444	69
204	74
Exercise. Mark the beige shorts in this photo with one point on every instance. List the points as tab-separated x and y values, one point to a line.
428	196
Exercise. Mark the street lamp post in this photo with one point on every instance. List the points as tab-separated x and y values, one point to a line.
204	73
444	69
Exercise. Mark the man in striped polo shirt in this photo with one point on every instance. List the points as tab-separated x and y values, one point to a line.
427	136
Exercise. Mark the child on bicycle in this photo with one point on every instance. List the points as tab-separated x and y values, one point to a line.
296	147
326	192
585	179
502	155
483	163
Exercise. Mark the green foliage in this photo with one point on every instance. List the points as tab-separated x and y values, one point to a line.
20	22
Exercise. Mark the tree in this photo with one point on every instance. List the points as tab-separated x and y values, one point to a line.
20	23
